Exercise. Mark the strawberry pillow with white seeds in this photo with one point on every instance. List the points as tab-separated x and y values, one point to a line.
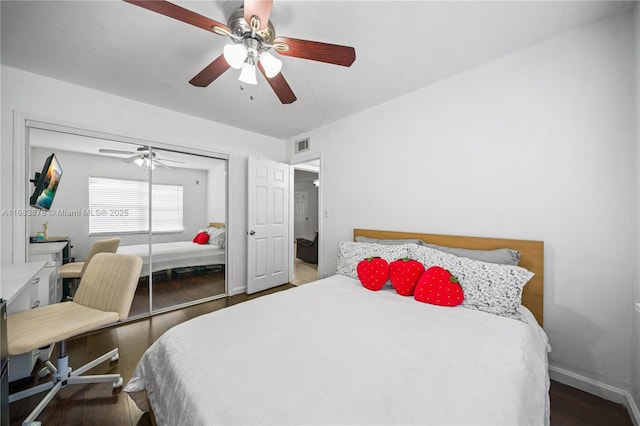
373	273
438	286
404	275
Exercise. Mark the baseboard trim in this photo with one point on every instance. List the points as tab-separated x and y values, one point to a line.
239	290
597	388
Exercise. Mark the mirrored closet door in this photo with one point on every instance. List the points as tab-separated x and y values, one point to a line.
166	206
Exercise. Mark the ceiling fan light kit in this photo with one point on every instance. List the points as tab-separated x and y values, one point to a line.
248	72
271	64
252	36
235	55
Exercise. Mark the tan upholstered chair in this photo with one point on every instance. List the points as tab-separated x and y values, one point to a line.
74	270
104	297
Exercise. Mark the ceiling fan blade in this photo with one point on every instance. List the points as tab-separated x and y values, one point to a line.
210	72
317	51
159	163
180	13
173	161
131	159
259	8
114	151
279	86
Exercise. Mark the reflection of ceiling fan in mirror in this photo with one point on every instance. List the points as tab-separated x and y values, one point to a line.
141	157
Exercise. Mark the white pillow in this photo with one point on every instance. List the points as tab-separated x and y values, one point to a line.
351	253
217	236
487	287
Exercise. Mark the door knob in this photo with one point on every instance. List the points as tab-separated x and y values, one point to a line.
252	232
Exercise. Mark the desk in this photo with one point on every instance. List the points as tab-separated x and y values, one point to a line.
20	284
53	254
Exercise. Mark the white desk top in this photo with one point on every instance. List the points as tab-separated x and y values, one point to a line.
46	248
16	276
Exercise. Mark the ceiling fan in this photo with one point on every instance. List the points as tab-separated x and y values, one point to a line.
253	36
141	157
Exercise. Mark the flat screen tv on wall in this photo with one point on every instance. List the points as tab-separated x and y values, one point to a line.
46	183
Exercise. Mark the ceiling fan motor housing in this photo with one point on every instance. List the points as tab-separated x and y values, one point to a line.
241	28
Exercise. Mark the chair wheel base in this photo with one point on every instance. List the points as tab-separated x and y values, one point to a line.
43	372
119	383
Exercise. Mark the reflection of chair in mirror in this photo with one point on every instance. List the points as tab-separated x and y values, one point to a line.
74	270
307	250
104	297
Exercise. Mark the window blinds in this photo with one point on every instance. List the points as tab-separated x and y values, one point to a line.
122	206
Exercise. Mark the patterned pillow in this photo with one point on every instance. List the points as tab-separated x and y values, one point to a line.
351	253
487	287
217	236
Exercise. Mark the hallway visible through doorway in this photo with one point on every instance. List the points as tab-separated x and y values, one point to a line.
306	224
305	272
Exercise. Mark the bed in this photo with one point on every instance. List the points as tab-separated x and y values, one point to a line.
177	254
333	352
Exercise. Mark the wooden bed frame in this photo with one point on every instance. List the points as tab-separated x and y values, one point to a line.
532	257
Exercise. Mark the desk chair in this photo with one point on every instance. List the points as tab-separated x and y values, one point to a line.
74	270
104	297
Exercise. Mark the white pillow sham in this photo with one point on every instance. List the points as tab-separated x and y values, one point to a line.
351	253
487	287
217	236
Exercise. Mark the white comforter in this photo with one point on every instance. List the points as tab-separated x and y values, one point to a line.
332	352
176	254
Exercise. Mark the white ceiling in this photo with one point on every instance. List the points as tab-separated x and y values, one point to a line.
116	47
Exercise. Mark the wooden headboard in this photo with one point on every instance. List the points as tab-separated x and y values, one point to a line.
216	224
531	257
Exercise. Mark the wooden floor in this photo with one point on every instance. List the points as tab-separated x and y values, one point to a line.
100	405
180	286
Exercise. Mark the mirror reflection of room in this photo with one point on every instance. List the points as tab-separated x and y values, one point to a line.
110	195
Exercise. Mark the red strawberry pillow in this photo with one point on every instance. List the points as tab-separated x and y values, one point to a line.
404	275
438	286
373	273
201	238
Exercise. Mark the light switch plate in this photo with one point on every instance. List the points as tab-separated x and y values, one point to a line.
638	307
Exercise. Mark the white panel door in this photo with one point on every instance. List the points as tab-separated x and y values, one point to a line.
268	224
301	214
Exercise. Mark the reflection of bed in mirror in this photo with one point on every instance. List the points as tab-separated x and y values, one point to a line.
177	254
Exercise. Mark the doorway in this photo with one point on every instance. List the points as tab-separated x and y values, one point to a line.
306	221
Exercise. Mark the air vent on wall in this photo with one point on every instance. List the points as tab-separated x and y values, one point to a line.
302	145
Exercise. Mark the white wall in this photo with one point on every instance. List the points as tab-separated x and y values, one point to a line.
46	99
539	145
216	203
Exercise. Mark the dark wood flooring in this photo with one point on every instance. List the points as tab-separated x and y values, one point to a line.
177	287
98	404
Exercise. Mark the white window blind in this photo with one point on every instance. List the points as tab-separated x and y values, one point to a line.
121	206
